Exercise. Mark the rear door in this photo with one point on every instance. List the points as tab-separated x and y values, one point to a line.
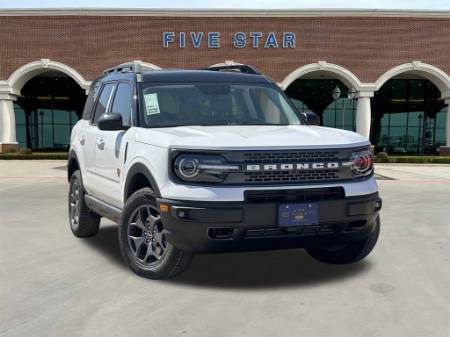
110	149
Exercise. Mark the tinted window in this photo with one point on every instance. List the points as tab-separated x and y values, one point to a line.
122	103
103	100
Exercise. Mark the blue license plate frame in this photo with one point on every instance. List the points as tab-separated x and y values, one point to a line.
298	214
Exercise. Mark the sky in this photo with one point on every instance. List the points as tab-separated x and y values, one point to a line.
237	4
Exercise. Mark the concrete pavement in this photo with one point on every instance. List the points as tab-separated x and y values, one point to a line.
53	284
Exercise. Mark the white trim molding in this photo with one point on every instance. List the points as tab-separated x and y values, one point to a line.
437	76
22	75
447	124
224	12
341	73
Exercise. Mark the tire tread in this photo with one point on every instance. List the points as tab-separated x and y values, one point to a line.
88	222
350	254
175	262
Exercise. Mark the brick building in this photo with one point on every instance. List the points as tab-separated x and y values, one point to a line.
384	74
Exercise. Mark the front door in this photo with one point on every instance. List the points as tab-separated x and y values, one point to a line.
110	147
91	135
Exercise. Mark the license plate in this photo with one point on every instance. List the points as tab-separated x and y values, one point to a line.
298	214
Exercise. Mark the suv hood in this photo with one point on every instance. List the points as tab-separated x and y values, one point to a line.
250	137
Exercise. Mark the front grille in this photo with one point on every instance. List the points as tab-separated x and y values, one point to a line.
278	158
297	195
292	176
322	229
288	156
280	232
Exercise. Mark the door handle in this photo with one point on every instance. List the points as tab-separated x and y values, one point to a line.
82	140
101	144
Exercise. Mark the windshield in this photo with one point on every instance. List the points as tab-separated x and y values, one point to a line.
215	104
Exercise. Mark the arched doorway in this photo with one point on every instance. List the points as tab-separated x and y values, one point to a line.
409	111
49	105
408	116
311	89
48	100
316	94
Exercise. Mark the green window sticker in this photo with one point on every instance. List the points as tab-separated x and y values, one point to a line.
151	104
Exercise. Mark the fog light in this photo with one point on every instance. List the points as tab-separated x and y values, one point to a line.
221	233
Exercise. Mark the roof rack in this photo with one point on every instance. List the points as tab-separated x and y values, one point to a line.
133	67
234	67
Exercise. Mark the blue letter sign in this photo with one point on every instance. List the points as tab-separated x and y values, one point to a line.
167	38
196	39
271	41
256	36
213	40
239	40
288	40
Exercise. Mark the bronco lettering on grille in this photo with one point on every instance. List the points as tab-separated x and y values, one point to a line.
292	167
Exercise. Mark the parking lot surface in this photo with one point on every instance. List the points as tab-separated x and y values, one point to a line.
53	284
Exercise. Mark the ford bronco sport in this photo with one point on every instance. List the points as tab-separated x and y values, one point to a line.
190	161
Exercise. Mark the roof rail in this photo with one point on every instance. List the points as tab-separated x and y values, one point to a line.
134	67
230	66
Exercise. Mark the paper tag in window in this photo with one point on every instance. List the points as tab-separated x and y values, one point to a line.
151	104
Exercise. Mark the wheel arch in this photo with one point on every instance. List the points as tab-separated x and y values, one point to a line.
72	164
139	177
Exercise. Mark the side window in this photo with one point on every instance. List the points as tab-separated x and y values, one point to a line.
103	101
122	103
90	100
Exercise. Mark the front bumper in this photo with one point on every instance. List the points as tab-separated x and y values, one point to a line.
174	191
200	226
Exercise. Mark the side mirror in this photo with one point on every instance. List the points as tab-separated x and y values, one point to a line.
110	122
311	117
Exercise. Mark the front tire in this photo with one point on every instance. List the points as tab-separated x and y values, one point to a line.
349	253
142	241
83	222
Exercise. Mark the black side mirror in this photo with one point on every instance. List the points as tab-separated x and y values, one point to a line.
311	117
110	122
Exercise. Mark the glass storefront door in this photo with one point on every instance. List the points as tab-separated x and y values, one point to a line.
408	117
317	95
46	112
46	128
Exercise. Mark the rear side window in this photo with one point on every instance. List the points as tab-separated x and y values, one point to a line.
122	102
90	101
103	101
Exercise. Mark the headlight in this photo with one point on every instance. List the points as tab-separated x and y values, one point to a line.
361	163
202	167
187	167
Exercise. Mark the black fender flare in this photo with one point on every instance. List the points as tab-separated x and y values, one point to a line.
139	168
72	157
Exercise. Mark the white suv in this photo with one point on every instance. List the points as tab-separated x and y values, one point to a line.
215	161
